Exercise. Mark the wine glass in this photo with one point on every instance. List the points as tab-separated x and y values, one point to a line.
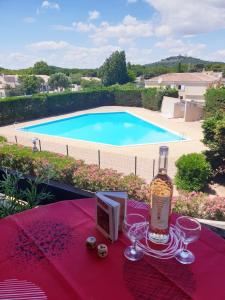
135	228
189	231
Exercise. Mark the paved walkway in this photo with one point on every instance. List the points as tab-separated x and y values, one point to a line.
120	158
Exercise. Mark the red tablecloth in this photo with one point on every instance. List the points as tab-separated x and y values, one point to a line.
43	254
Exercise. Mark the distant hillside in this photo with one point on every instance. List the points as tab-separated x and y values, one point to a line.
173	61
171	64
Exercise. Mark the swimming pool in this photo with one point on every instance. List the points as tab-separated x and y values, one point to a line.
114	128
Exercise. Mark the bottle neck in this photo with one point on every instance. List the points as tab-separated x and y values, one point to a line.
162	171
163	163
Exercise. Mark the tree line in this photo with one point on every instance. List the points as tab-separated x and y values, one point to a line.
147	71
115	70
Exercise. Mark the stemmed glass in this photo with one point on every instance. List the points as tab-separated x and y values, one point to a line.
189	231
135	228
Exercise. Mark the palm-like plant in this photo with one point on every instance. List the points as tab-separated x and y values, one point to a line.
14	200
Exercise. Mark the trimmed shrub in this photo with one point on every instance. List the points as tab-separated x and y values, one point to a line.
193	172
128	97
150	100
24	108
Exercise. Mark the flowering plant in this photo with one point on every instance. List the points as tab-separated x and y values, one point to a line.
200	205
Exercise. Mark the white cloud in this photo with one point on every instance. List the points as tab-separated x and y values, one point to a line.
178	46
127	31
84	57
139	55
189	17
17	60
29	20
83	27
132	1
70	55
94	14
63	27
218	55
48	45
52	5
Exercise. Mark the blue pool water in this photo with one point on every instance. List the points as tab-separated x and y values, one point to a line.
117	128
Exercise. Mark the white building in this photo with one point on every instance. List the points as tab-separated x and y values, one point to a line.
13	81
190	85
7	80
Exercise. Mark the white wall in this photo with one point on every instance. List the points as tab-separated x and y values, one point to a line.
168	104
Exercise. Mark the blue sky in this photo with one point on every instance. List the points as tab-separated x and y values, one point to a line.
73	33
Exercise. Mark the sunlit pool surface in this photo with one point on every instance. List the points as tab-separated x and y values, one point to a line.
116	128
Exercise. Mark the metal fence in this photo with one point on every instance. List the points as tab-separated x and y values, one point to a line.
141	166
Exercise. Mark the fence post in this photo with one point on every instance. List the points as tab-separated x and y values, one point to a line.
99	159
135	165
39	141
67	150
16	139
153	168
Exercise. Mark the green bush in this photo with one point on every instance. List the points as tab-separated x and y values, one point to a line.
214	139
128	97
214	101
3	139
14	200
193	172
150	100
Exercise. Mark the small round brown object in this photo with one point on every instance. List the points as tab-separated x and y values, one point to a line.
91	242
102	250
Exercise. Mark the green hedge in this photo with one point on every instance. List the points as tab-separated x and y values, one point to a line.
25	108
128	97
152	97
19	109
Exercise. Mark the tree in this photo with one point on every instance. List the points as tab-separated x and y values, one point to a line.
41	68
214	139
131	75
76	78
114	69
179	67
90	84
58	80
214	101
30	84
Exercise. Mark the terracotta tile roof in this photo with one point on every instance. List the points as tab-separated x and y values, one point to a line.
185	77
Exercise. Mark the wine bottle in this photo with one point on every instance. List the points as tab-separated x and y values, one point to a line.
161	196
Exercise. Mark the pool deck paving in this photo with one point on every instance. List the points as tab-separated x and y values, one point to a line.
121	158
